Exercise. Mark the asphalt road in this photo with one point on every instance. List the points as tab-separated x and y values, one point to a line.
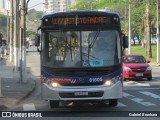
138	97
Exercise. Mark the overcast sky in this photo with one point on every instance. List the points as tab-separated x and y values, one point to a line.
35	2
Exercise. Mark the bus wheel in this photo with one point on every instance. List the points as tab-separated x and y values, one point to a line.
113	102
54	104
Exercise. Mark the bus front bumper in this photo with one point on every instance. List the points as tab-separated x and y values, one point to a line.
72	93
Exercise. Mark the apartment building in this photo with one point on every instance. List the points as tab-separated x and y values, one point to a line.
54	6
4	6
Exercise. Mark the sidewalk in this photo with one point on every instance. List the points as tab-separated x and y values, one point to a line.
154	64
13	90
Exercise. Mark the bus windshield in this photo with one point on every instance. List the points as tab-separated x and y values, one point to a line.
81	48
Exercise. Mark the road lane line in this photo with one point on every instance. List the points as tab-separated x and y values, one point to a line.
137	100
141	88
121	104
28	107
150	94
133	83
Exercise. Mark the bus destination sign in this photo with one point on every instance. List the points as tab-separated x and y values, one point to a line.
80	20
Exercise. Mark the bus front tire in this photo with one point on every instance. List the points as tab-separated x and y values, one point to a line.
113	102
54	104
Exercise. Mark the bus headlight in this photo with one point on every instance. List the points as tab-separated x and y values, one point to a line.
108	83
54	84
111	82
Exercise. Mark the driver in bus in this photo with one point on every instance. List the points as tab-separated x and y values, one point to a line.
52	54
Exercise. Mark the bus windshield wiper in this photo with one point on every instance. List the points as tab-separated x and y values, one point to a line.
94	39
90	45
85	54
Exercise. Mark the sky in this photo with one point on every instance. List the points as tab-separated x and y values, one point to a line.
39	7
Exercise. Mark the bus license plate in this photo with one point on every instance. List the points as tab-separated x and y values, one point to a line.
80	93
139	74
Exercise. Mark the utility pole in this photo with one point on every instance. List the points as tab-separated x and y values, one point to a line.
129	31
16	17
23	41
11	31
7	37
158	44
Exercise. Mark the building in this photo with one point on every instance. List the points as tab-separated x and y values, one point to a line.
4	6
54	6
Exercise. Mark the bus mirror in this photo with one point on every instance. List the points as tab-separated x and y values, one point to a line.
37	40
125	41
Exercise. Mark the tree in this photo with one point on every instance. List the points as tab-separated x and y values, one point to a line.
33	22
143	16
148	32
85	5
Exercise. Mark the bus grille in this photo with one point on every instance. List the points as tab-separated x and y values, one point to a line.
81	73
82	84
90	94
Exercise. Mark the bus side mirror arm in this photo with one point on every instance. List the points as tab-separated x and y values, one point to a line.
37	40
38	50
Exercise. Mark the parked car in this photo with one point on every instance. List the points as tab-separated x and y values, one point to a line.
136	66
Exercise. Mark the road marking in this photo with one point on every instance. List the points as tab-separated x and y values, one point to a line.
151	94
141	88
28	107
6	75
137	100
121	104
133	83
33	54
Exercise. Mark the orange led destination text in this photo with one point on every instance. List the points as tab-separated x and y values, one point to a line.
80	20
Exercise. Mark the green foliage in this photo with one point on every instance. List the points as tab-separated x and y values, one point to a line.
122	6
137	16
85	5
3	24
30	33
141	50
34	15
112	5
33	22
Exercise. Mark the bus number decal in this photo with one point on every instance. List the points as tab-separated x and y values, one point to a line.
98	79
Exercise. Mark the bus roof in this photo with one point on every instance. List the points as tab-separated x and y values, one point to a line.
80	12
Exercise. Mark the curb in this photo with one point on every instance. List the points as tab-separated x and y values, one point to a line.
4	107
21	99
